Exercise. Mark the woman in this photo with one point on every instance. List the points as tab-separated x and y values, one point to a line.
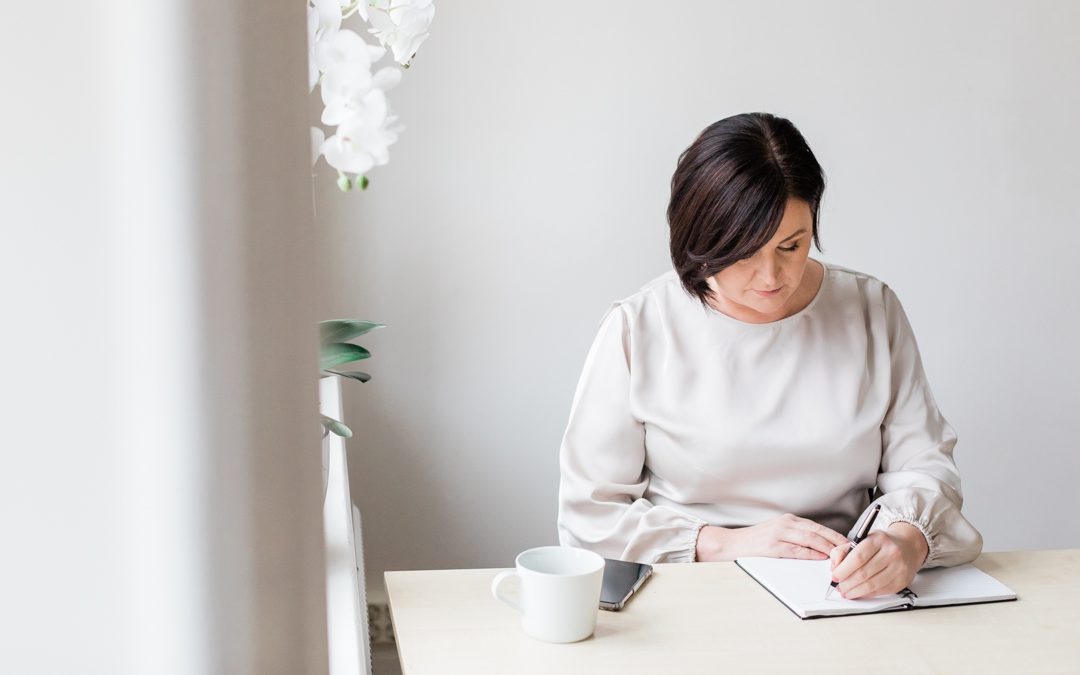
754	401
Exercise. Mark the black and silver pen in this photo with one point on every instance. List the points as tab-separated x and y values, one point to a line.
863	531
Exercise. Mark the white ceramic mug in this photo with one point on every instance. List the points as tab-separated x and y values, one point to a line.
560	592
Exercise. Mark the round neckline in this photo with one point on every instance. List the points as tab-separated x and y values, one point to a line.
792	317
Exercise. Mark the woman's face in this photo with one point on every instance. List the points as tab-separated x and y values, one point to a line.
778	267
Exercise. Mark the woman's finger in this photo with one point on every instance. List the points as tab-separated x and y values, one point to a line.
876	584
808	538
832	536
869	570
859	556
789	550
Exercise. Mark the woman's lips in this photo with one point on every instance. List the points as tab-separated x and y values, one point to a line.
767	294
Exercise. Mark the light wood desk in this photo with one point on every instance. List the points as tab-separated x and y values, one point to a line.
713	618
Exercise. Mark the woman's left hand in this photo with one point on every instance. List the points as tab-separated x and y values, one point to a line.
884	562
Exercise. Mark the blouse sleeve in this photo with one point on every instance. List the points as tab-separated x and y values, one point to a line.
918	479
602	465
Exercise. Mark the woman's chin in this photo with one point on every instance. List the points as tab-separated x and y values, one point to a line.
768	303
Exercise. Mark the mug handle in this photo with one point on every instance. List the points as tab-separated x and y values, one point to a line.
497	581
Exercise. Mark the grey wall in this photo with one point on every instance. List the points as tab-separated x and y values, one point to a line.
529	188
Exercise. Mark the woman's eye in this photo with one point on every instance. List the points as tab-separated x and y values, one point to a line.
789	250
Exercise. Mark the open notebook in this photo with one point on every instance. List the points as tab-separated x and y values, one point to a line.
801	585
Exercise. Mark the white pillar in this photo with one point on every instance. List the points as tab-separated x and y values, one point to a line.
161	489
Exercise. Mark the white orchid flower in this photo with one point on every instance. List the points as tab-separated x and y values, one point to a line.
329	12
358	146
346	91
318	137
324	19
401	24
346	46
386	78
353	95
361	7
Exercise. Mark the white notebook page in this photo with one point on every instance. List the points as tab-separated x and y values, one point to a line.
802	584
955	585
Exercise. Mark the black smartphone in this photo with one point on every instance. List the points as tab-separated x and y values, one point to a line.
621	579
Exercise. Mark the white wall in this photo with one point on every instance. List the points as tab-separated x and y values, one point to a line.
160	491
529	189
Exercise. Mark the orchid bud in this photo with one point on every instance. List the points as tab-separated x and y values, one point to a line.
344	183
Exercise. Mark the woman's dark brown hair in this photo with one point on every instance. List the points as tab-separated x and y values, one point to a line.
729	192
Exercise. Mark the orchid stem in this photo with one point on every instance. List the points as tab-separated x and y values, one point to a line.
351	9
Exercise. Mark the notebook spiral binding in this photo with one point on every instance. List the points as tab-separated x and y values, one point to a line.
909	595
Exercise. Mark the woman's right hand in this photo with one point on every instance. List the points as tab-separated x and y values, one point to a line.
786	536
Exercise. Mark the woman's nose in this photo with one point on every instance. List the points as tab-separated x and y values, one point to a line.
768	272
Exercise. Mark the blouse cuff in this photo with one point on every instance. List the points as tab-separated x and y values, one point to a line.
931	555
687	545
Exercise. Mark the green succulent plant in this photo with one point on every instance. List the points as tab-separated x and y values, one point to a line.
335	350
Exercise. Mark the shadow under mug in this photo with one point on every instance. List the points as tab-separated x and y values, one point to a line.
560	592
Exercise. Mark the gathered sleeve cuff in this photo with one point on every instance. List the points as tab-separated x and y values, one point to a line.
918	478
602	465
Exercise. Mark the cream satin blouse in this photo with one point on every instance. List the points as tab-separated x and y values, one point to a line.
685	417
